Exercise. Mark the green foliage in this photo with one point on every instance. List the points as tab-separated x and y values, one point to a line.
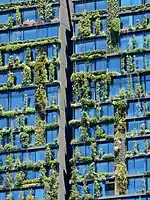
10	22
39	132
18	16
1	59
11	80
28	56
84	25
121	179
115	25
24	138
26	76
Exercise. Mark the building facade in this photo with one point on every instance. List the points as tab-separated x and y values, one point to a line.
110	104
74	99
33	37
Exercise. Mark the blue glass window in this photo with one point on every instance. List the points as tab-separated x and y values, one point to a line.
29	15
85	150
29	156
56	11
52	94
107	110
30	34
4	100
83	169
126	21
41	32
107	148
136	165
16	140
18	77
139	62
77	133
125	41
136	185
131	2
105	167
3	78
52	117
30	97
4	18
31	175
2	160
30	120
4	37
114	64
147	84
51	136
108	129
101	44
16	35
101	65
53	31
17	100
77	113
32	138
39	194
40	155
139	143
3	123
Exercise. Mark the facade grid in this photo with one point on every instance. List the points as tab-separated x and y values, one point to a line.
91	142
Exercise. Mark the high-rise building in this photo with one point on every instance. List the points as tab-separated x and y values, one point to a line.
111	102
74	99
33	62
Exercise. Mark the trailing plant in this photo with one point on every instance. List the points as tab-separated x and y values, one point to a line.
84	25
26	76
39	132
121	179
28	56
18	15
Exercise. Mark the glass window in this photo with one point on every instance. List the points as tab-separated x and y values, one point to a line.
16	35
29	156
105	167
52	117
40	155
139	62
4	37
108	129
39	194
56	11
29	15
83	169
52	94
101	4
77	113
77	133
30	34
17	100
32	138
125	42
53	31
3	123
42	32
4	18
85	150
126	21
29	95
51	136
101	65
18	77
30	120
114	64
101	44
16	140
3	78
4	100
31	175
